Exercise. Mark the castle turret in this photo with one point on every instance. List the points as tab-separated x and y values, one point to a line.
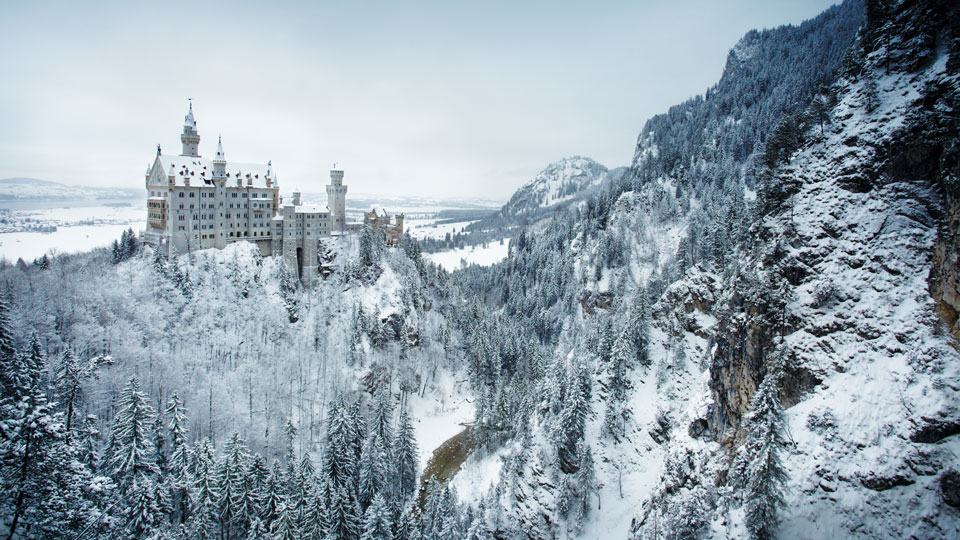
219	161
337	199
190	137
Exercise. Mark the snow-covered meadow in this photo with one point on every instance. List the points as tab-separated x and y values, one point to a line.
77	229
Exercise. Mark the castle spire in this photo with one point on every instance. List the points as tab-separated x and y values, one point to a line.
219	161
190	137
219	156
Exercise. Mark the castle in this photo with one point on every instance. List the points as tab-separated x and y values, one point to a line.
198	203
380	220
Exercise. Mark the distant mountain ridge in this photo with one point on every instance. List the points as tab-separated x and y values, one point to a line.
562	183
36	188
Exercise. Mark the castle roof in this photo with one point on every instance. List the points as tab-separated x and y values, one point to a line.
311	209
200	171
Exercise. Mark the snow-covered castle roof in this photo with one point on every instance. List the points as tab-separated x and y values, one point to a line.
200	171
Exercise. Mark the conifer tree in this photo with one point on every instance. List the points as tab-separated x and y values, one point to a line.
133	458
71	374
43	484
377	524
640	327
342	521
404	469
586	481
179	476
204	512
88	442
272	497
285	526
9	385
371	470
764	475
382	415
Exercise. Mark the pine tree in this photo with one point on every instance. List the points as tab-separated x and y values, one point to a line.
382	416
116	251
180	457
257	485
71	374
640	327
371	470
614	420
289	437
285	526
160	445
764	474
160	262
404	469
133	458
88	442
9	385
69	380
44	485
572	421
272	498
204	512
233	498
142	513
586	481
377	524
342	520
819	108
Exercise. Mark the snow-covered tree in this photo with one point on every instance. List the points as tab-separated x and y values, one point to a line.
763	474
132	458
377	523
404	469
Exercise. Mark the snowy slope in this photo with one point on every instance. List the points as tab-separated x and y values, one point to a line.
246	350
561	182
872	387
869	434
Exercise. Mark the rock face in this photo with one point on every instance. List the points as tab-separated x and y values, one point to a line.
945	272
950	488
850	280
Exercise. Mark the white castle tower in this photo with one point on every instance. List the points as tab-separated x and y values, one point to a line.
337	199
190	137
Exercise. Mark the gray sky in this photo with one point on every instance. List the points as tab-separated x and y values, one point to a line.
455	98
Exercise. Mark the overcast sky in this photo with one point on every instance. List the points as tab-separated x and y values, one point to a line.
451	98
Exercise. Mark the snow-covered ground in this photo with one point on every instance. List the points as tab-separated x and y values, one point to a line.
78	228
30	245
440	414
429	228
484	256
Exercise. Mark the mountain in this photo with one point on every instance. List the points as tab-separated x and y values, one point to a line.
559	184
37	189
750	333
755	333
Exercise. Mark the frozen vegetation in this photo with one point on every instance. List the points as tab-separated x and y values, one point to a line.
751	332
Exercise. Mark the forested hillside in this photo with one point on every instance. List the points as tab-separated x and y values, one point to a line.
751	332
